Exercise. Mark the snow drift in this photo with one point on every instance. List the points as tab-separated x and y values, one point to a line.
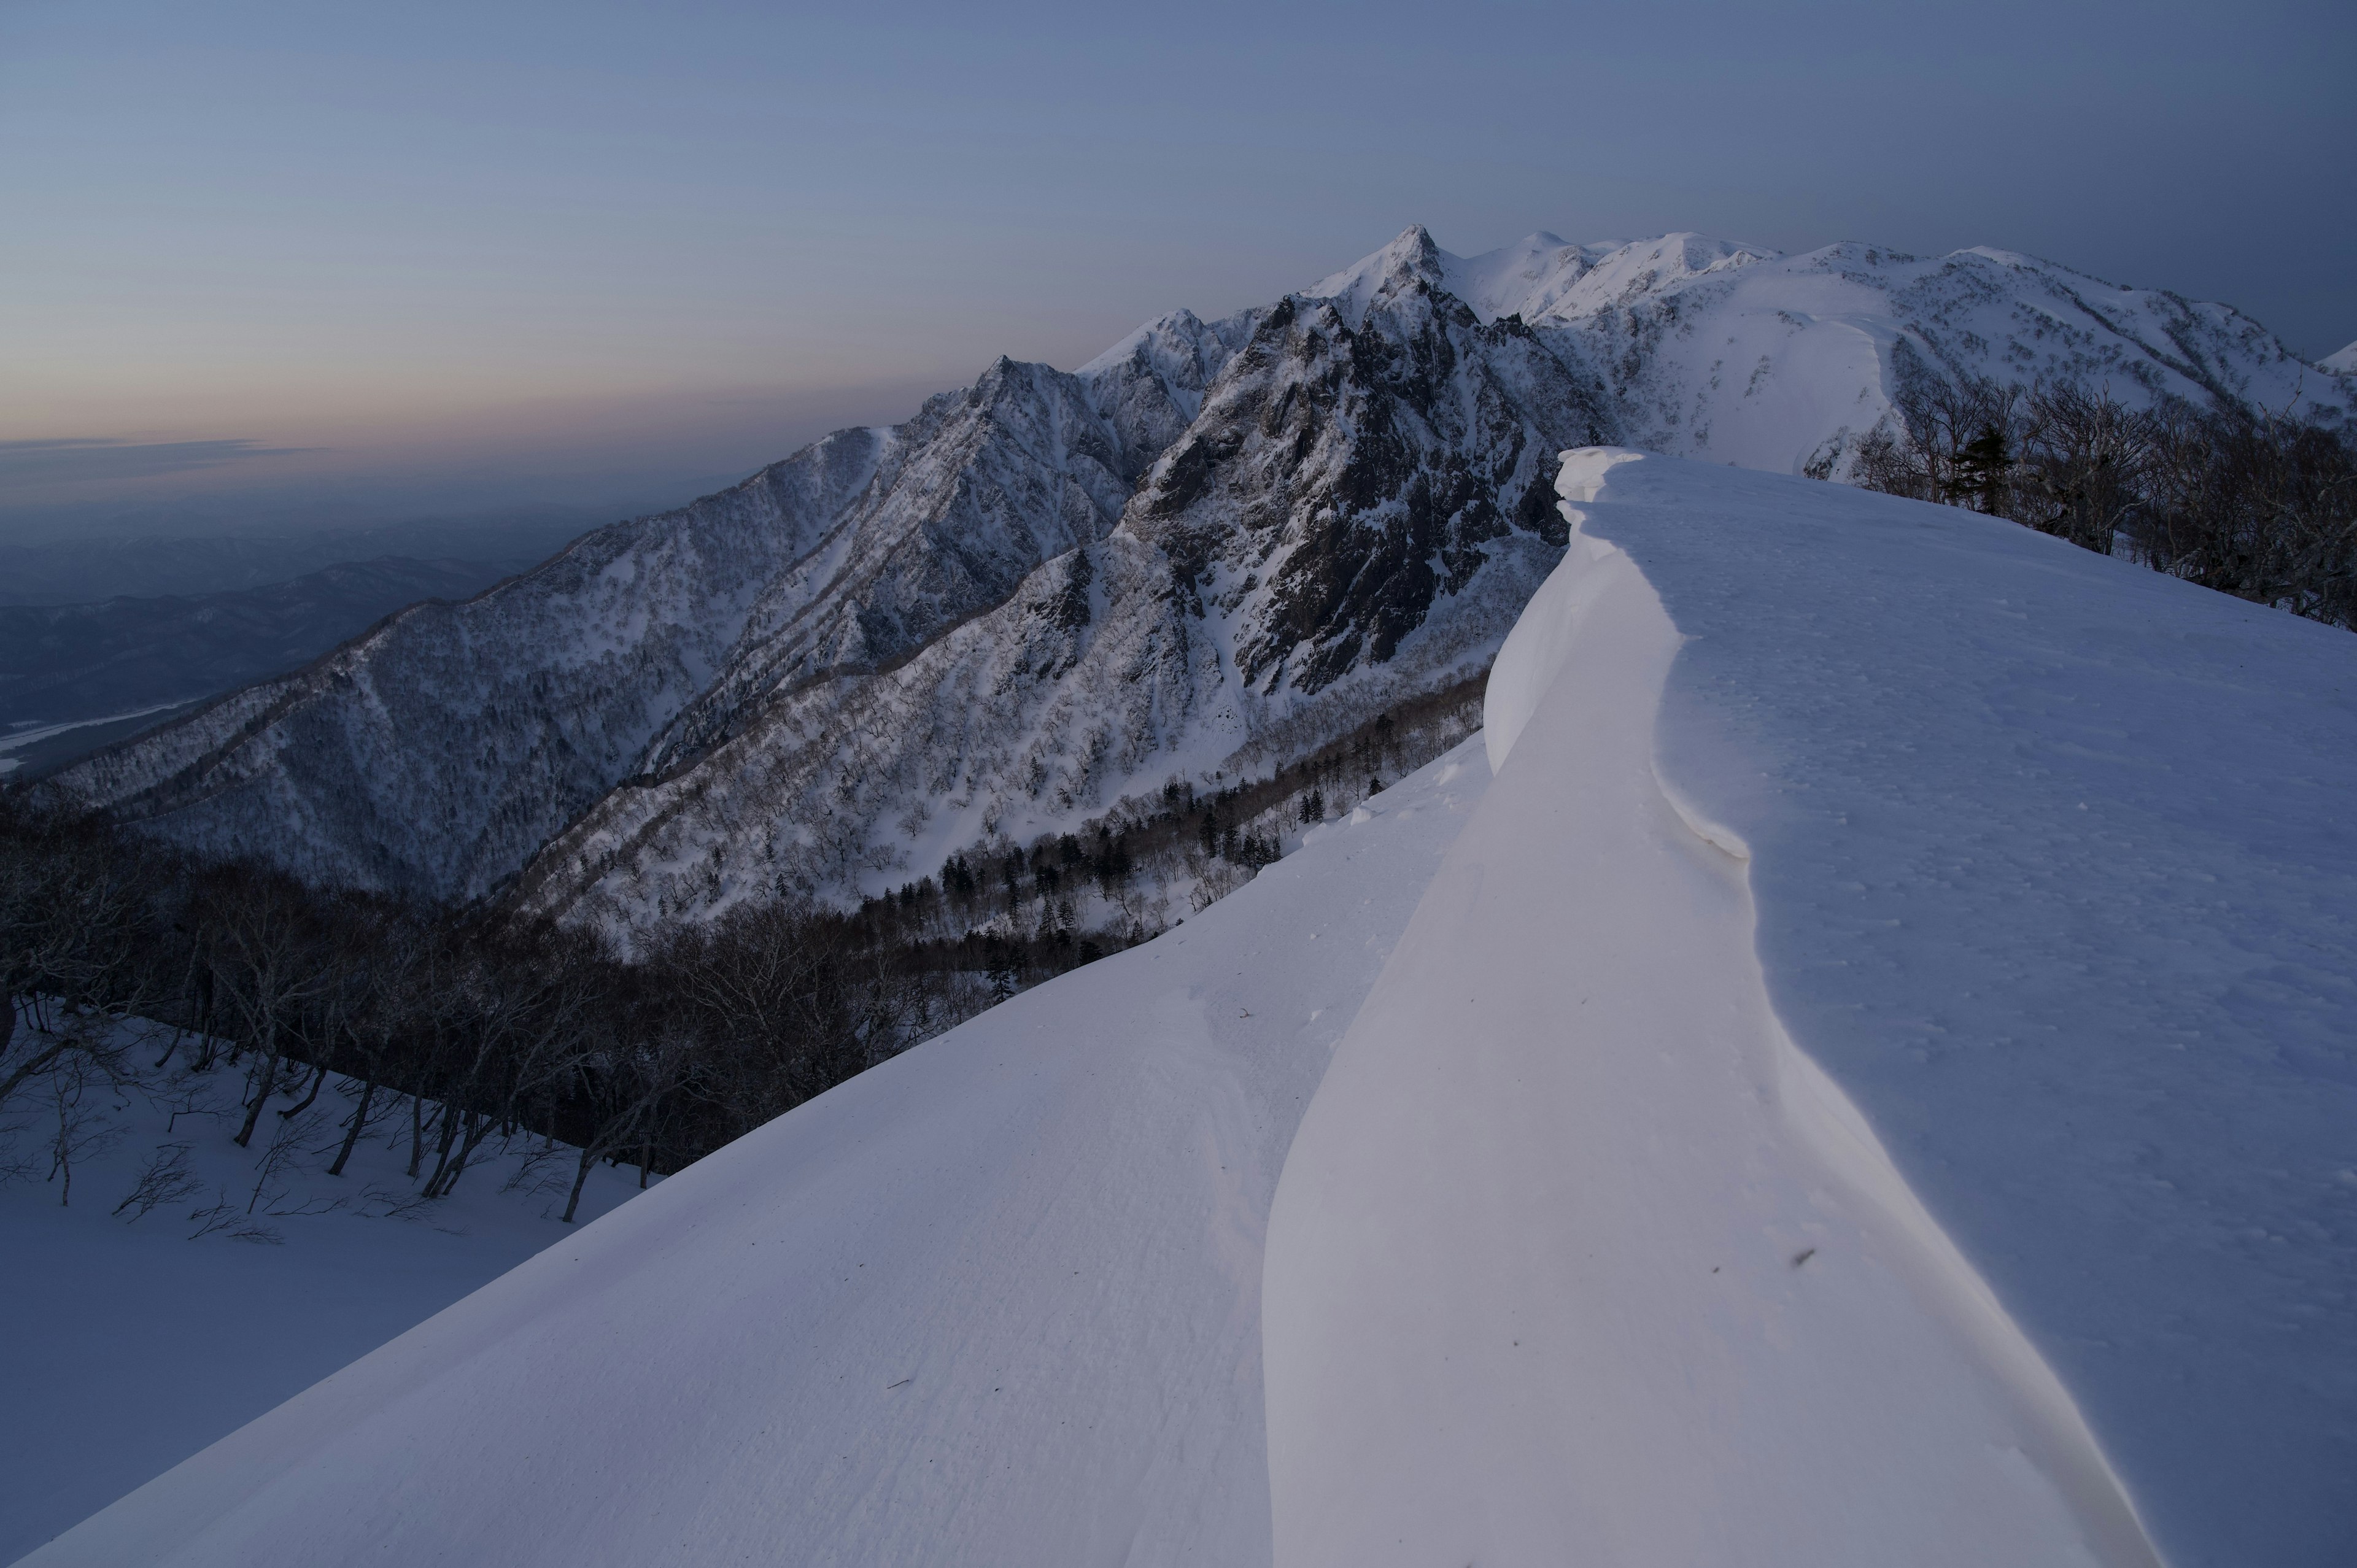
1870	1085
1870	1081
995	1300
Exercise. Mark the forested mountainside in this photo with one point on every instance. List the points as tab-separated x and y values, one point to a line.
64	663
1052	589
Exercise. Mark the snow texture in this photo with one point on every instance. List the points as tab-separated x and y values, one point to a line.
1868	1082
2002	1213
2341	361
995	1301
2056	879
126	1346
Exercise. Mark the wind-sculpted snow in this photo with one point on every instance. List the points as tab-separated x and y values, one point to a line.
2054	881
1867	1081
995	1301
2056	876
1050	589
1576	1259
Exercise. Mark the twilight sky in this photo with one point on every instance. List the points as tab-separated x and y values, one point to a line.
323	262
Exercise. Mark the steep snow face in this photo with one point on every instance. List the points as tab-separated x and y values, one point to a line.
2056	878
1354	515
2341	361
993	1302
1575	1258
2020	1163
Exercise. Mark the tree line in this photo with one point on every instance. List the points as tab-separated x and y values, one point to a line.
2258	504
456	1029
479	1024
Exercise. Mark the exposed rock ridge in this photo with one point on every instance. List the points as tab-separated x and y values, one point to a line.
1051	589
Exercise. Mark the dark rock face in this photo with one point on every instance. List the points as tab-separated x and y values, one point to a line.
1040	592
1362	473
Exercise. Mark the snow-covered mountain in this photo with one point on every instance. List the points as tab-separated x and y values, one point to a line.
1050	590
2341	361
1854	1065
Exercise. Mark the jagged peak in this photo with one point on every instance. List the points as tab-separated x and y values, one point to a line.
1412	257
1181	324
1532	276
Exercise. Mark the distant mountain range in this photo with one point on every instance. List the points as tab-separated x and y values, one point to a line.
90	566
67	665
1208	550
102	637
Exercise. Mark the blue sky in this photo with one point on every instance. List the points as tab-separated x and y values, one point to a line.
433	256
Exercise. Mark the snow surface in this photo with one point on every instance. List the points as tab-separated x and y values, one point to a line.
995	1300
2341	360
1871	1083
2052	884
126	1346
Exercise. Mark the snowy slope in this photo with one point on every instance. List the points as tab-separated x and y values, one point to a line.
993	1302
2341	360
1868	1082
127	1343
1859	1114
1739	354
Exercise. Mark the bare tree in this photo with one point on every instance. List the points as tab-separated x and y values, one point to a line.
269	946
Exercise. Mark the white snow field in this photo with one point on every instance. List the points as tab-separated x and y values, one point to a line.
997	1301
2042	858
128	1341
1871	1082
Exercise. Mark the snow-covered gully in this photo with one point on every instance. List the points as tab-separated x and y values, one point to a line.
1577	1258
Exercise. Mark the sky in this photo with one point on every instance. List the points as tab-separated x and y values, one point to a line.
335	263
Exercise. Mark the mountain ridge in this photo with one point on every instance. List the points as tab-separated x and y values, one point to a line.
1073	585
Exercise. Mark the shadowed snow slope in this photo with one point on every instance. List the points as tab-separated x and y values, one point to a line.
993	1302
1575	1252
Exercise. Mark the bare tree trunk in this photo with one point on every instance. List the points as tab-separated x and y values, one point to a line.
477	1128
15	1079
580	1177
442	1153
317	1077
352	1132
416	1133
268	1080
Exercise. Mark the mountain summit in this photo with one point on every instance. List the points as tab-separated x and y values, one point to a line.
1052	589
